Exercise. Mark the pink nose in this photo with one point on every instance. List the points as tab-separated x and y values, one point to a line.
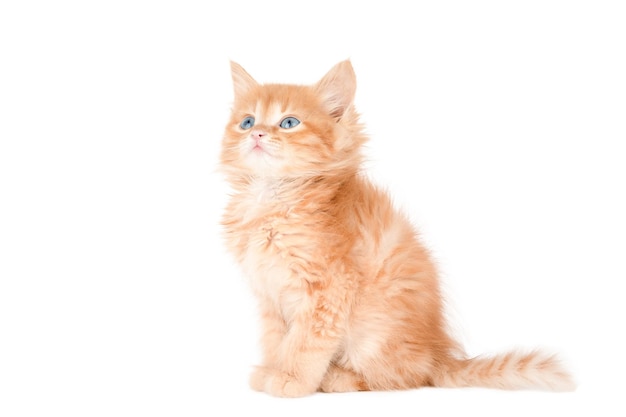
258	134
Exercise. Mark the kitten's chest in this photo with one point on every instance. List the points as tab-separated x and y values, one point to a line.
264	236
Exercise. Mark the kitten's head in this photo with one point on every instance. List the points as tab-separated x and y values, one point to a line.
288	131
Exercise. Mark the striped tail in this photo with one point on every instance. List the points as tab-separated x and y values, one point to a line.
513	370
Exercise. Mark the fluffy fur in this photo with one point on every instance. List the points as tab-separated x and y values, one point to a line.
349	298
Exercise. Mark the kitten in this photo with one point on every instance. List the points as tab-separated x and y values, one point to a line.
349	298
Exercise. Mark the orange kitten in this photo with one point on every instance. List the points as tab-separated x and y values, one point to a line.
349	297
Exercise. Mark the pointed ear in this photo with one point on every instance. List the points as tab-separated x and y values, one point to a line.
337	88
242	81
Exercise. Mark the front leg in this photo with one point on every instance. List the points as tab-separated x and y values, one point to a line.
308	346
274	330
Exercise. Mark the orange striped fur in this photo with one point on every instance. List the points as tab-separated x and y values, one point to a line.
349	298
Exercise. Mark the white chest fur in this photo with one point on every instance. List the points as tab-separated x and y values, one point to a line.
266	257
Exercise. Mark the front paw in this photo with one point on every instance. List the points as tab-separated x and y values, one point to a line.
259	378
279	384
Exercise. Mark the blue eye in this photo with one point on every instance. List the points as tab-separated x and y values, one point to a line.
247	123
289	122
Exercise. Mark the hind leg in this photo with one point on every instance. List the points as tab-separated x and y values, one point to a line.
339	379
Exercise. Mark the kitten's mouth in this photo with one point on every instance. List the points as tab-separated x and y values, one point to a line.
260	149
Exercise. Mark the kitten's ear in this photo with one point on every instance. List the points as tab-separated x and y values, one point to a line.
337	88
242	81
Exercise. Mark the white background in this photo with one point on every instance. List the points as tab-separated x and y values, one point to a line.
499	126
